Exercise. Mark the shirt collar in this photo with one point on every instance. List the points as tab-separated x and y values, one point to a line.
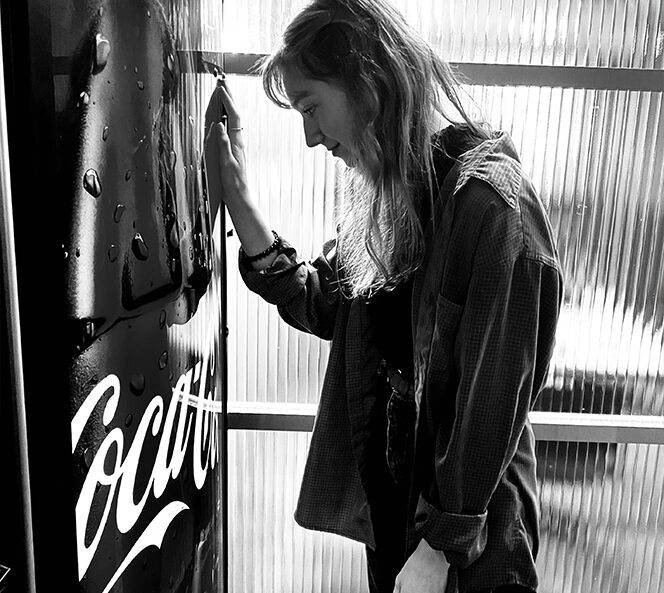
496	162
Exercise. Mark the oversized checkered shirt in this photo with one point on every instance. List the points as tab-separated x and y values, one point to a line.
485	305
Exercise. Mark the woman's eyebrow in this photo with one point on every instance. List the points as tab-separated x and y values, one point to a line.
297	97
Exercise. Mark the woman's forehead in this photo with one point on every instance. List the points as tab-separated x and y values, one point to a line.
297	85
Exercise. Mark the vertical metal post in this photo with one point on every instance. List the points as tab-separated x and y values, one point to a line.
224	377
11	324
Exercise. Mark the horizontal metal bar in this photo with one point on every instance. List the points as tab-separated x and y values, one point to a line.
547	426
578	77
597	428
271	416
581	77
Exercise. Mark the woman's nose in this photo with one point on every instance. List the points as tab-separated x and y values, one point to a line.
312	133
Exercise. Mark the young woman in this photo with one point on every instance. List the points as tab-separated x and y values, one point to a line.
440	294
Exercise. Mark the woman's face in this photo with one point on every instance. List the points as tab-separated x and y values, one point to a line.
326	112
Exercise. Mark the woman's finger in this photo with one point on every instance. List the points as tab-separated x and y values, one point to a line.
214	108
234	118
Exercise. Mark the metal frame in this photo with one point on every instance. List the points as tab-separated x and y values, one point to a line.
578	77
547	426
11	325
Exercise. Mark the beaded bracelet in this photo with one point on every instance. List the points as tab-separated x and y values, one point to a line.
275	245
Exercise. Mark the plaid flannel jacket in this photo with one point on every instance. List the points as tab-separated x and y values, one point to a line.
485	306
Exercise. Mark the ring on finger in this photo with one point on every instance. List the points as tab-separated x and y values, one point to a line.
236	129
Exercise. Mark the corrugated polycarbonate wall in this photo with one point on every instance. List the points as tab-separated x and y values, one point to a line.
603	33
595	154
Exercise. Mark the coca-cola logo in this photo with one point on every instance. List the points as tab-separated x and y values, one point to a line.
116	469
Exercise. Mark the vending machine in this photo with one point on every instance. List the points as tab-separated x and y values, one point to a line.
113	359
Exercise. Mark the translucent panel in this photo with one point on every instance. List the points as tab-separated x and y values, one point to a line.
601	518
595	158
601	526
268	551
294	187
609	33
605	204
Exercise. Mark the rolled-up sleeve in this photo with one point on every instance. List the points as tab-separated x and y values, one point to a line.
305	293
501	352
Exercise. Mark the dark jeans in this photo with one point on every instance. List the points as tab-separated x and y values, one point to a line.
388	505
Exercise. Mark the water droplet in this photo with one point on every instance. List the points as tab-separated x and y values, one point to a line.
104	134
128	175
162	319
113	252
135	69
119	211
170	63
66	254
91	183
173	237
174	158
140	85
163	360
192	121
102	52
139	247
128	420
83	99
174	265
149	15
89	330
137	383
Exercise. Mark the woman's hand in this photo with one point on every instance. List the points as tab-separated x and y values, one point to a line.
424	572
227	178
224	155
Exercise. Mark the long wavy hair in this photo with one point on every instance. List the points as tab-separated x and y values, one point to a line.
397	85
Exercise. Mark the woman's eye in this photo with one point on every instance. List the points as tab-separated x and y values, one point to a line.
309	110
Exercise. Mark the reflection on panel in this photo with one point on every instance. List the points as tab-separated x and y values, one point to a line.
604	33
601	517
269	552
295	188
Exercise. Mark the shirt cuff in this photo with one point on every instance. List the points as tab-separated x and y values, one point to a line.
279	283
461	537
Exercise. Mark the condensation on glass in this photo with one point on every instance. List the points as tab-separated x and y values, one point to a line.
142	255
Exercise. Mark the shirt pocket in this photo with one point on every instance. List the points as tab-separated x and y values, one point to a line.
441	373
